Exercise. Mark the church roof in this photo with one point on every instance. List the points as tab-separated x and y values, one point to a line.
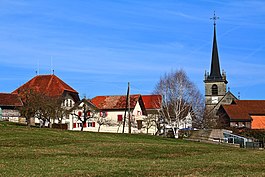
50	85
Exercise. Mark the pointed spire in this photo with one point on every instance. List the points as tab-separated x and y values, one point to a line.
215	66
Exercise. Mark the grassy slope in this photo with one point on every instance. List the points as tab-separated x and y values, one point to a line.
45	152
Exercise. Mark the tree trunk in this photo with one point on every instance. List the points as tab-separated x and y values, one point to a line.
82	126
28	121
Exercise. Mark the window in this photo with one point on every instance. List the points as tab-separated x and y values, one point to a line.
103	114
91	124
139	124
66	103
214	90
71	103
139	113
119	118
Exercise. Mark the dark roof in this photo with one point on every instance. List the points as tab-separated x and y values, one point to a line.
152	101
50	85
114	102
215	66
243	109
8	99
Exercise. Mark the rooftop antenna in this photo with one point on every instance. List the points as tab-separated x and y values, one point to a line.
52	70
228	89
38	67
238	95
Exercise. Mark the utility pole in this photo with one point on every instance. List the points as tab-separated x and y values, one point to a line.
129	111
127	99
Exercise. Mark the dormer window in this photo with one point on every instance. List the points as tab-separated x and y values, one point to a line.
214	90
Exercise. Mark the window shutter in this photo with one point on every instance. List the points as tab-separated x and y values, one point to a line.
88	113
119	118
84	124
79	113
74	125
93	124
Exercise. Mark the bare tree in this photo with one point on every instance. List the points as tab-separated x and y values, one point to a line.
41	106
31	101
179	96
103	121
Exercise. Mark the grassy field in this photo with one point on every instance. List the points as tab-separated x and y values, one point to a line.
45	152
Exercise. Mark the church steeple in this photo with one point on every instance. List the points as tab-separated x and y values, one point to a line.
215	82
215	73
215	66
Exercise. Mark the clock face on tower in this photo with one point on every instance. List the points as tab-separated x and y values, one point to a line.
214	99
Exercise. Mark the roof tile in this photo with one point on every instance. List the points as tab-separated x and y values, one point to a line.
114	102
8	99
47	84
152	101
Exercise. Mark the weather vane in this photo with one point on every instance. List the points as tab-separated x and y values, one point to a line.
214	18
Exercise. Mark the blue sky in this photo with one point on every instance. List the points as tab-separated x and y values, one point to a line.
97	46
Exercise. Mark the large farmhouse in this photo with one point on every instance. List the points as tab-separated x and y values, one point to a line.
51	86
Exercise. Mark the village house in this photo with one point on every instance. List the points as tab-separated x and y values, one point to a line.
84	114
243	114
106	114
113	109
51	86
9	107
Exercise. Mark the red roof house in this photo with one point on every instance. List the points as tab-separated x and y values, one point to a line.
113	108
117	102
243	113
49	85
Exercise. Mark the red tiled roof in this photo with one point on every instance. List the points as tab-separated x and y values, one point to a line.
152	101
47	84
8	99
258	122
242	109
114	102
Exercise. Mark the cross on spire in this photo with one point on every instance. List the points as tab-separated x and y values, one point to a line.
214	18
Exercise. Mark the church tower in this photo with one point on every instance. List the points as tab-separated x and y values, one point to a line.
215	82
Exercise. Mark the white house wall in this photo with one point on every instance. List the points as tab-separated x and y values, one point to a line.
112	125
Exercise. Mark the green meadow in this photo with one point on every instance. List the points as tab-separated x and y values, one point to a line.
28	151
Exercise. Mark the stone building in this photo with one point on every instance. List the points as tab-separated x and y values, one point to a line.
215	82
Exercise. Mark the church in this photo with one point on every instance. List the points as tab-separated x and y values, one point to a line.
216	93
